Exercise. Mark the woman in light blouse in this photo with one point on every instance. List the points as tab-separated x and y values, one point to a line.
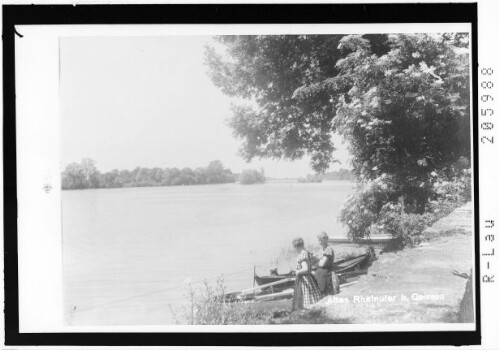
326	278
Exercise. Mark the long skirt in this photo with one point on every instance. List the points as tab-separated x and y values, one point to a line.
327	281
306	292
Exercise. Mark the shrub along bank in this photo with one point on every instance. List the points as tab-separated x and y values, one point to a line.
427	283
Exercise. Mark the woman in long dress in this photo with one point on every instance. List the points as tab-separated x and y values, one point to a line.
326	278
307	291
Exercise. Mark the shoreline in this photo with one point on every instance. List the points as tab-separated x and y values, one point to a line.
427	283
267	181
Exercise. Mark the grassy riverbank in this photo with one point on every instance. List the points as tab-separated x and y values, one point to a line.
422	284
427	283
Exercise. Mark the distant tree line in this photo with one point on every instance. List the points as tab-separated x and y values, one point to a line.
342	174
310	178
85	175
251	176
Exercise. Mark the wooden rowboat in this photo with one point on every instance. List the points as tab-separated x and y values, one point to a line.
377	241
281	286
281	289
346	269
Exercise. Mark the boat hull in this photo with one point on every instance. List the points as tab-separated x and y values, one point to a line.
346	270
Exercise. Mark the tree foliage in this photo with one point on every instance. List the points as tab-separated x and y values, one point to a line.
86	175
80	176
402	103
251	176
407	112
267	70
342	174
406	117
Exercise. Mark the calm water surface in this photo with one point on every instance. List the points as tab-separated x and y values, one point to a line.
128	252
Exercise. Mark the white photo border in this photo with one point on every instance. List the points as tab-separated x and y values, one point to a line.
39	252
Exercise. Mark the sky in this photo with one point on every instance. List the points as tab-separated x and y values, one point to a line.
148	102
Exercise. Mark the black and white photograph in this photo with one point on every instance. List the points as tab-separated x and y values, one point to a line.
264	174
267	179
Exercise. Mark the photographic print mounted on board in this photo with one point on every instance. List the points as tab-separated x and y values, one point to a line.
268	178
245	178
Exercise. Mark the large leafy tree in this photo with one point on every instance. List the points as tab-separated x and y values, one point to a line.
401	102
267	70
82	175
73	177
405	113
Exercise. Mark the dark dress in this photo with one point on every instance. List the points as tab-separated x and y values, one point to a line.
326	278
306	289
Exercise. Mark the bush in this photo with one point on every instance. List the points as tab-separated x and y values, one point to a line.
406	228
250	176
381	206
203	307
361	210
453	185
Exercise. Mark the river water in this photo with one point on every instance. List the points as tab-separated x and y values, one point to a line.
127	253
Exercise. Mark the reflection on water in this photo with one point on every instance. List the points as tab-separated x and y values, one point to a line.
127	252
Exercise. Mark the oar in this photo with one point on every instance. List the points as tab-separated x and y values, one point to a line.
347	284
275	295
268	285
